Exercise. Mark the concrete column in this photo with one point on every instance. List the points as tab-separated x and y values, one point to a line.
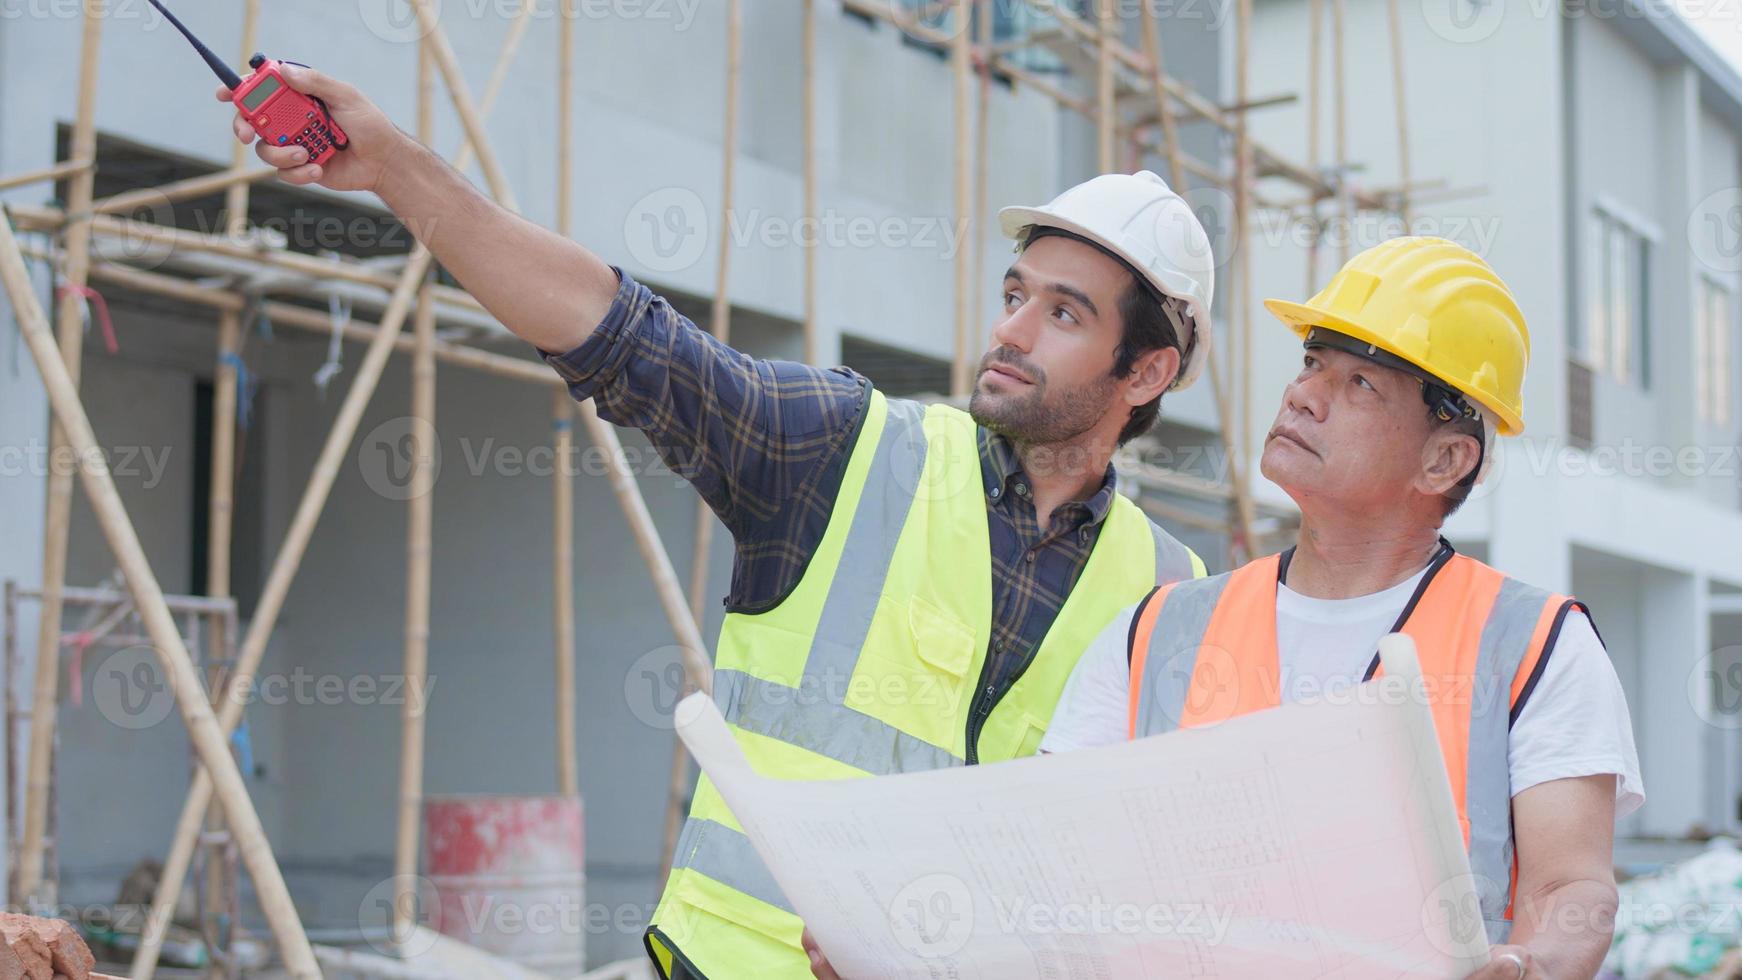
1675	638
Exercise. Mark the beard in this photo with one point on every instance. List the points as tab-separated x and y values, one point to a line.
1037	414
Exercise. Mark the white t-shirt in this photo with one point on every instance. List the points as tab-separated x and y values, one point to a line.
1575	723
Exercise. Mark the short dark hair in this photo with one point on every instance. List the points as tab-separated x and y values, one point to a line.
1454	498
1147	320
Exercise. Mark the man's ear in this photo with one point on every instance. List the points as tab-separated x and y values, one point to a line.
1152	375
1447	458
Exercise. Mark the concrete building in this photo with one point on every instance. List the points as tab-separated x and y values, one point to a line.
323	736
1595	152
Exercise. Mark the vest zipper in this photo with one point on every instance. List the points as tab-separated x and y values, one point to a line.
988	699
983	705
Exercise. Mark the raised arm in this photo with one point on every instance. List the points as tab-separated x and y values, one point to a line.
547	289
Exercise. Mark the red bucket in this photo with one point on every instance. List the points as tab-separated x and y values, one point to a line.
509	873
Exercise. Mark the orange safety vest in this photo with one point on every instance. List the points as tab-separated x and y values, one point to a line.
1205	650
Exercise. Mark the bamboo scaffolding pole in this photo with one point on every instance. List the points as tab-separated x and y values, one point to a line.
210	740
698	671
419	532
313	321
1157	67
238	176
144	234
1395	29
1315	55
1340	111
1243	257
458	92
568	769
57	521
808	109
308	512
221	510
962	364
70	168
563	587
1106	120
982	179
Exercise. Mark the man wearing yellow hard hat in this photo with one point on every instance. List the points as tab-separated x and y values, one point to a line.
1414	358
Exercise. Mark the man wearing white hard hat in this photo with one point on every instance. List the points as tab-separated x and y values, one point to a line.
912	584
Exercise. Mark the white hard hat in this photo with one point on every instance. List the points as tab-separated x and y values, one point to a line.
1141	220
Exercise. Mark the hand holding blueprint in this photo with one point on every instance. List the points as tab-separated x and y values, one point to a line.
1306	841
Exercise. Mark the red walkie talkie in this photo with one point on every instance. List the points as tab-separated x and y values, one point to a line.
280	114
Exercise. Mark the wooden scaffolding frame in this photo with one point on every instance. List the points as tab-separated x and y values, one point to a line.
1122	78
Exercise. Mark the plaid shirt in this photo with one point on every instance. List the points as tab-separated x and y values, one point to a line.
766	443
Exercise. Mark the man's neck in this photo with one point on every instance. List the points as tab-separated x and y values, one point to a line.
1348	555
1061	473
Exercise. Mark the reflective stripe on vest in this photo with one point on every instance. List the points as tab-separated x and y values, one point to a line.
870	665
1206	650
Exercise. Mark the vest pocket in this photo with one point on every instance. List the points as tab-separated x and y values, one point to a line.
914	674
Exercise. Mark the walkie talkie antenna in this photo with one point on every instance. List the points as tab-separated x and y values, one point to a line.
225	73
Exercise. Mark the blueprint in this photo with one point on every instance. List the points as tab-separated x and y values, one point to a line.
1309	840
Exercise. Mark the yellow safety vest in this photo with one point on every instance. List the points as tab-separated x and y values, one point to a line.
871	665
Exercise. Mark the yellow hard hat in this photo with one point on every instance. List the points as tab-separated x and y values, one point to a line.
1436	305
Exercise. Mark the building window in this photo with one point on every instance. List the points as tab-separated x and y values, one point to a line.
1713	327
1614	341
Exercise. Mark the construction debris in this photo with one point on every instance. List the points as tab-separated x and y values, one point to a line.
42	949
1682	921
